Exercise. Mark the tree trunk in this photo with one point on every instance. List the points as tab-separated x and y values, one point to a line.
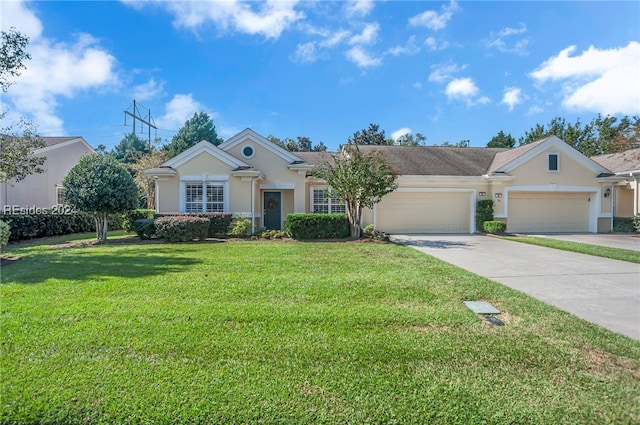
101	225
354	213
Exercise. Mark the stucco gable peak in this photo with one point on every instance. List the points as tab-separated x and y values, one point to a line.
262	141
536	148
204	147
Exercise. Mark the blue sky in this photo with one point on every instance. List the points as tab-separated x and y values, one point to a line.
450	70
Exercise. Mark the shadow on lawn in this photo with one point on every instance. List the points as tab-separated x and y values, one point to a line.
88	265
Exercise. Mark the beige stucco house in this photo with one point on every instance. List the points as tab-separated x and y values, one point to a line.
44	190
546	186
624	181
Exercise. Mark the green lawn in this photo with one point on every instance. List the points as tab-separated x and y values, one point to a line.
582	248
290	332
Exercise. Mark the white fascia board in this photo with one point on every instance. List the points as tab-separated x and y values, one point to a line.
203	147
248	133
559	144
64	144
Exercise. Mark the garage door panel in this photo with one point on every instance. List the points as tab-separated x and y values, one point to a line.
543	212
424	212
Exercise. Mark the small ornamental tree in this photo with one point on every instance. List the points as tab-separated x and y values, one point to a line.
360	179
100	185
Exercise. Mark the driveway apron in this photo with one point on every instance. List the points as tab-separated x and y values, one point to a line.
599	290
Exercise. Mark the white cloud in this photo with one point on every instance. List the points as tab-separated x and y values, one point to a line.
409	48
434	20
178	110
512	96
148	90
466	90
361	58
359	7
269	18
305	53
444	72
400	132
368	35
603	81
433	45
56	69
497	40
534	110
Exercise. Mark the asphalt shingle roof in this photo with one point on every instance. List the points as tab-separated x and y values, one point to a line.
620	162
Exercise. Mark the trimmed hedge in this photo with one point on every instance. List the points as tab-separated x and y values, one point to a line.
495	227
181	228
484	212
145	228
317	226
219	223
129	217
636	223
5	233
45	224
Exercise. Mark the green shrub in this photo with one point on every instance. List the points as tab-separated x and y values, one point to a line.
145	228
270	234
636	223
317	226
219	223
129	217
5	233
369	231
180	228
623	224
495	227
240	228
484	212
49	223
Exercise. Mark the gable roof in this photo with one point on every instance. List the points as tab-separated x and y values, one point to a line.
209	148
621	162
437	160
51	143
248	133
511	160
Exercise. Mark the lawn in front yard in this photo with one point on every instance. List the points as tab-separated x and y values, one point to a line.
291	332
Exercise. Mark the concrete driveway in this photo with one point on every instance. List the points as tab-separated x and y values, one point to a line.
599	290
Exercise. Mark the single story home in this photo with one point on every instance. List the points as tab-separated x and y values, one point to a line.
546	186
625	167
44	190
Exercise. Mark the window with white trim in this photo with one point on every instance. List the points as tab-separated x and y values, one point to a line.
60	195
204	197
553	162
323	203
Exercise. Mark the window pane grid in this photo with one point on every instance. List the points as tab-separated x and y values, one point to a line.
323	204
215	198
193	198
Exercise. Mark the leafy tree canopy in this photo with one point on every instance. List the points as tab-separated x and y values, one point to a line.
602	135
303	144
368	136
409	139
502	140
13	54
198	128
146	184
360	179
17	145
460	144
129	149
99	184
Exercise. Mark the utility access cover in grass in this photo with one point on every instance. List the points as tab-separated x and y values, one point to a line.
481	307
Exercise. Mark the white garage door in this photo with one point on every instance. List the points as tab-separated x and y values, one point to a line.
542	212
424	212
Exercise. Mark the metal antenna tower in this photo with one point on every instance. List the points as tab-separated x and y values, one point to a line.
134	112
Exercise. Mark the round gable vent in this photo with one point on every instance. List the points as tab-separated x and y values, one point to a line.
248	152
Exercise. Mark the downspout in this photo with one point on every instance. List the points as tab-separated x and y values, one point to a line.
612	207
156	188
253	207
635	197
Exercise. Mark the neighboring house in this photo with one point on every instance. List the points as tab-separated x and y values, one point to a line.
626	169
546	186
44	190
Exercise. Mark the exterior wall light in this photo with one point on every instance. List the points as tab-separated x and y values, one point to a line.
607	192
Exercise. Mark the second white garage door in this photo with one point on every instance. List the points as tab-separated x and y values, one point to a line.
541	212
424	212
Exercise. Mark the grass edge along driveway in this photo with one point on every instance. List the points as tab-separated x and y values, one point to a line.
581	248
287	332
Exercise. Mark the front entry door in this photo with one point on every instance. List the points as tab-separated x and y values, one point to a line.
272	210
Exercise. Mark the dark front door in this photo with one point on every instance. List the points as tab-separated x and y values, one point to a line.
272	210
